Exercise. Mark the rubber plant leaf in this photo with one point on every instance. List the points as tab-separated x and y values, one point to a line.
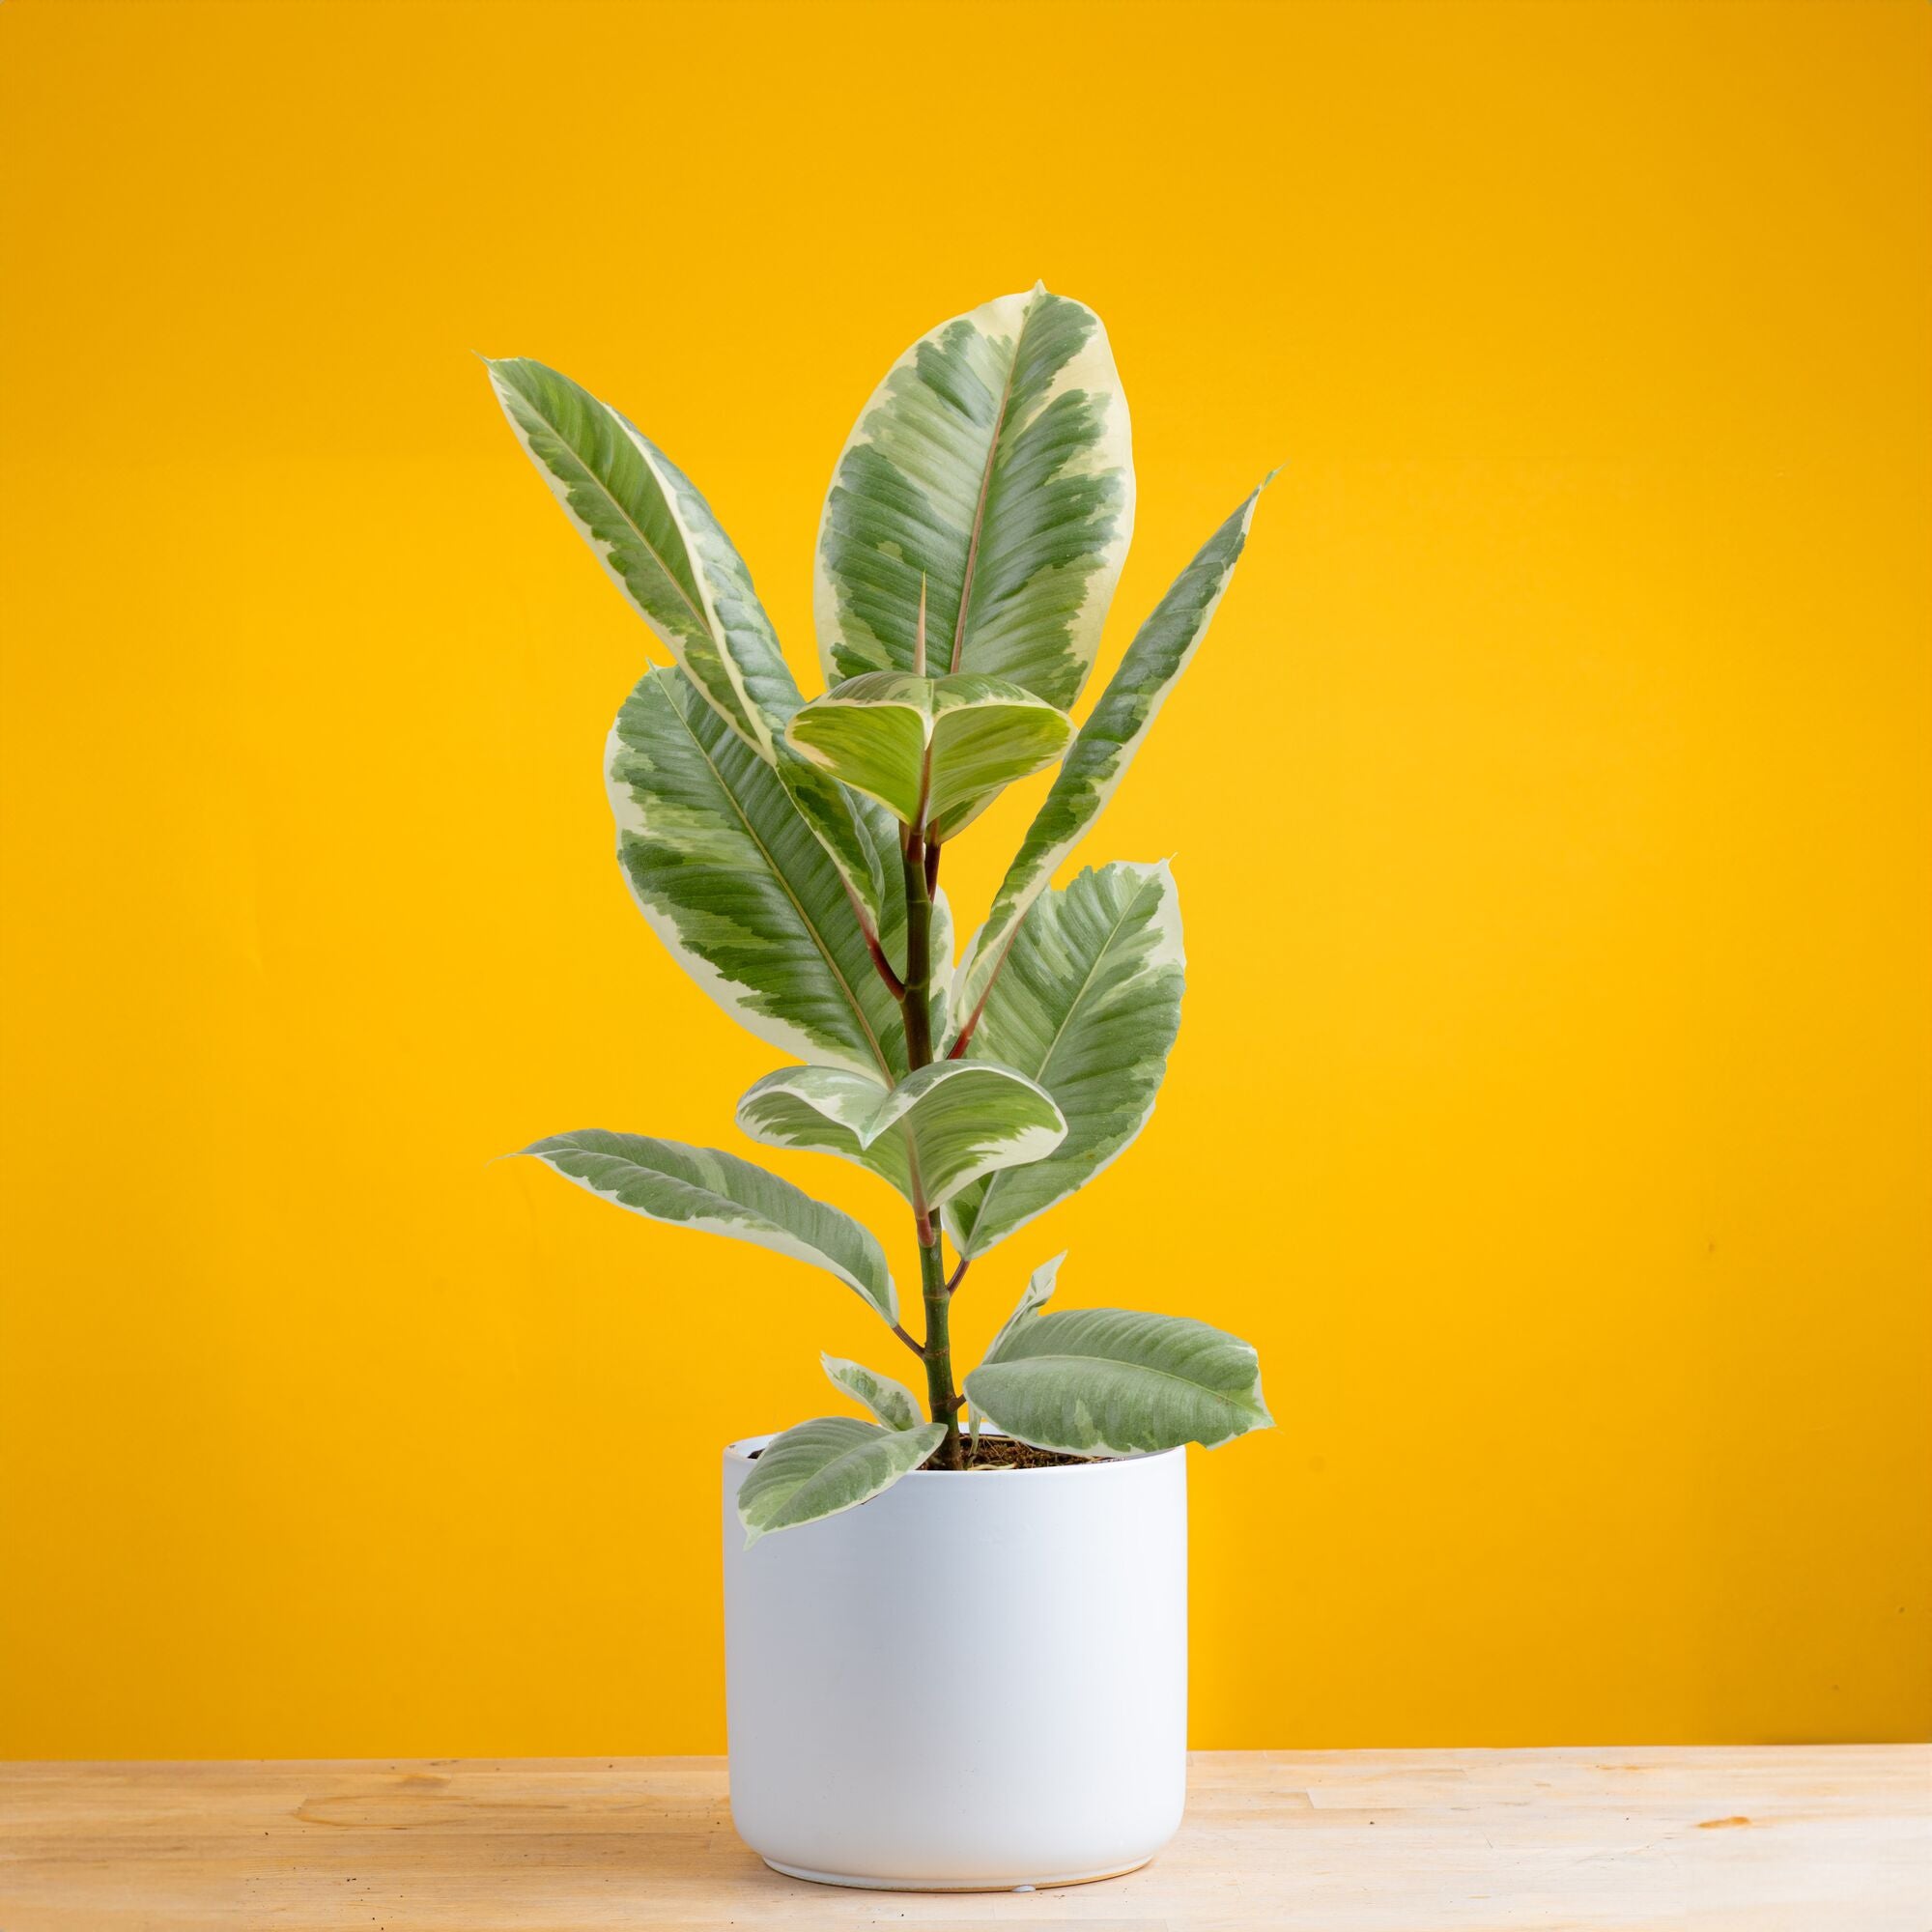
1113	731
1115	1381
823	1466
934	751
720	1193
940	1129
993	467
890	1402
1087	1005
657	538
733	880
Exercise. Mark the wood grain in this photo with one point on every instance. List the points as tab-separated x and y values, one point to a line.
1834	1839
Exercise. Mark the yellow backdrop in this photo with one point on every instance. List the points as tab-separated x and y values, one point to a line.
1550	808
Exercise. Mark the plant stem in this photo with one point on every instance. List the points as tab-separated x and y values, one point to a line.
942	1402
916	1001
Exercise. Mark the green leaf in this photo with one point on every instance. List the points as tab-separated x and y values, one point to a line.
938	1130
891	1401
827	1465
991	471
1161	650
717	1192
734	882
1087	1005
934	751
657	537
1114	1381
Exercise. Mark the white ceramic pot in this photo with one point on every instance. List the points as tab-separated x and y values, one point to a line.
974	1682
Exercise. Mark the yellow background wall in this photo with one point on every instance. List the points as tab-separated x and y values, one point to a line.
1550	808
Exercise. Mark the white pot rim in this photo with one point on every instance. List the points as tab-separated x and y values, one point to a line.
742	1451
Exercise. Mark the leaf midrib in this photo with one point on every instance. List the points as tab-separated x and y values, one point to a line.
987	484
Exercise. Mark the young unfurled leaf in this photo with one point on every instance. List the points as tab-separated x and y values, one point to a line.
1114	1381
891	1403
934	751
940	1129
826	1466
991	473
1087	1004
706	1188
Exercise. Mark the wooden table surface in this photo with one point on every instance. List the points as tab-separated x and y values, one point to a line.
1834	1839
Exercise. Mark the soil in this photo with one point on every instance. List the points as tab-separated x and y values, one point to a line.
1000	1452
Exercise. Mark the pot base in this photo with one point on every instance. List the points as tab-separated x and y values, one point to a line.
971	1885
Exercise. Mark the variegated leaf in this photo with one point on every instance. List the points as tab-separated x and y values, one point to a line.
657	537
934	751
827	1465
940	1129
827	1110
1115	1381
992	468
1161	650
720	1193
734	882
1087	1004
891	1403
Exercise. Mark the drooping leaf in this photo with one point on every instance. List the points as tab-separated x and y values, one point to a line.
992	469
891	1403
658	539
1087	1004
734	882
938	1130
934	751
1120	721
720	1193
827	1465
1115	1381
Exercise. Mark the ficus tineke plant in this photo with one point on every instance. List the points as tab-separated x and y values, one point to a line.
788	853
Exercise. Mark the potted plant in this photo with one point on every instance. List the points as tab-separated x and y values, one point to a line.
969	1671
